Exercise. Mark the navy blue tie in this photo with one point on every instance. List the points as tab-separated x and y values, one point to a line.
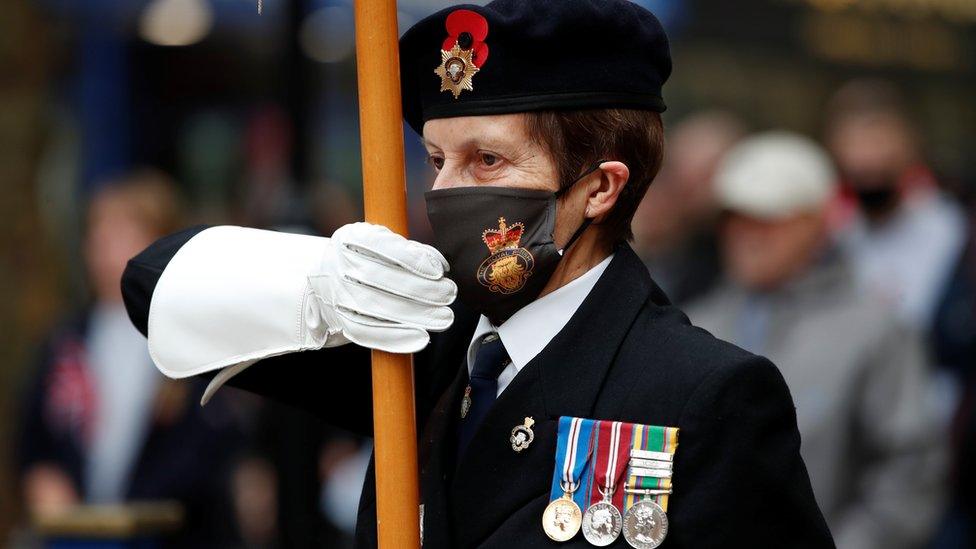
482	388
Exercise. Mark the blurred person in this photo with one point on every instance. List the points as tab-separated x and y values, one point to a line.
674	228
343	462
905	235
331	206
255	487
280	487
266	195
99	424
857	375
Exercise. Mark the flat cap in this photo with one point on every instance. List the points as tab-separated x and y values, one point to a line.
775	175
514	56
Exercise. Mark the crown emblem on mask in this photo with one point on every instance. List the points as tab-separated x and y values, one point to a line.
505	237
508	266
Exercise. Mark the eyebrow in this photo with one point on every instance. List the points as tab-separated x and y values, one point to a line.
482	142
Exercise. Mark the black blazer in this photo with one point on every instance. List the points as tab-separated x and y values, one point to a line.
627	355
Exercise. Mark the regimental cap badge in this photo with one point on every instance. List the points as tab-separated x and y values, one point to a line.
463	51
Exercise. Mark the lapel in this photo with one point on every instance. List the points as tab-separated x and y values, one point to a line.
448	376
439	438
493	481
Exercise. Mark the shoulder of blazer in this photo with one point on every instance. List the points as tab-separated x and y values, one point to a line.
665	360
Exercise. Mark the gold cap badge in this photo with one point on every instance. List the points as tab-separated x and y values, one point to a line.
463	52
456	70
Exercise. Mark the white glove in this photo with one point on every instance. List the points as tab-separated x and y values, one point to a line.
232	296
379	290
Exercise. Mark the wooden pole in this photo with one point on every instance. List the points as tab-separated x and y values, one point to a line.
385	200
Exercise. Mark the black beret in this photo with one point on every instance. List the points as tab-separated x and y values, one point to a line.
525	55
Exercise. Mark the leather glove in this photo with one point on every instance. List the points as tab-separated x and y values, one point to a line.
377	289
232	296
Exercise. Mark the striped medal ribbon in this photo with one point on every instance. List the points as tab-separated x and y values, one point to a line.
648	486
562	518
602	520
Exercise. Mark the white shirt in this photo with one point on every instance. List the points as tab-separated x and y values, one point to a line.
527	332
126	385
909	258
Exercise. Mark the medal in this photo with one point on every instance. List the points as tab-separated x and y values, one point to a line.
602	520
602	523
562	518
649	479
645	525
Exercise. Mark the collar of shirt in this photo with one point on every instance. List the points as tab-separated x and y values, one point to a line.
532	327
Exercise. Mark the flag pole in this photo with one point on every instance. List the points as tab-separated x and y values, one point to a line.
385	202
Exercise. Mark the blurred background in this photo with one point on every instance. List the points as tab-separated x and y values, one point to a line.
815	206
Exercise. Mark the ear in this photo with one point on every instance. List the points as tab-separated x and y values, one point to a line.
604	191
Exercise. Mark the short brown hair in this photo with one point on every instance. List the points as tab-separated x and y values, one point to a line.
577	140
149	196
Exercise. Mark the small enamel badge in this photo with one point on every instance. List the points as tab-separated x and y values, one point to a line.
522	435
463	51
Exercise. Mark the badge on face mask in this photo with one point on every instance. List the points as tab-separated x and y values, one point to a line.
514	258
509	265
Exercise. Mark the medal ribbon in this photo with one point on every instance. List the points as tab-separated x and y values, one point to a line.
573	450
658	439
613	450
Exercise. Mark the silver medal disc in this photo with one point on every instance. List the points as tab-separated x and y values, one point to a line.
602	523
645	525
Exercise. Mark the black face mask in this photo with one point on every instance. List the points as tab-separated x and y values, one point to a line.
499	243
877	202
877	194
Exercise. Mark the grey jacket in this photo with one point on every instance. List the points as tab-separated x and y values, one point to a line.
874	451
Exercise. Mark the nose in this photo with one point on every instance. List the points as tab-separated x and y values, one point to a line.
450	176
441	182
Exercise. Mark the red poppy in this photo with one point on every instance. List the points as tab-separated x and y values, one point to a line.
467	21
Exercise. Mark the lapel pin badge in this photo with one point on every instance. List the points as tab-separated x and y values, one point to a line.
421	523
522	435
466	402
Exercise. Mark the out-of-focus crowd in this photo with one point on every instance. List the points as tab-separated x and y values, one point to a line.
842	257
99	425
845	260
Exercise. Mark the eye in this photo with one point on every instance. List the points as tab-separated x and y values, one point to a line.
435	161
488	159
